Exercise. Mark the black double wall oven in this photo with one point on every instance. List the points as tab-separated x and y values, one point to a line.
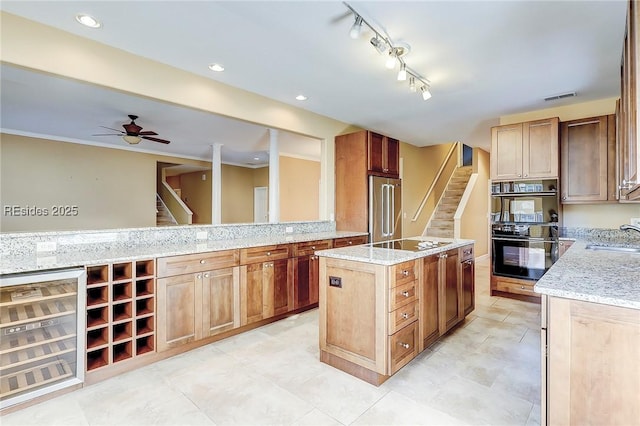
524	228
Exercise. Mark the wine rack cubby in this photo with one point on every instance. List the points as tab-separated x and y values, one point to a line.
120	312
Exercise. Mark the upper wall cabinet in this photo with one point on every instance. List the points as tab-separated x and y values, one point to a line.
384	155
629	144
588	156
525	150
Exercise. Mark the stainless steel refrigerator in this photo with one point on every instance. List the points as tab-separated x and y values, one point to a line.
385	209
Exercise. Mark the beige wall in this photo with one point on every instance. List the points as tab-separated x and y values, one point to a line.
607	216
237	194
419	167
39	47
196	194
299	189
111	188
474	224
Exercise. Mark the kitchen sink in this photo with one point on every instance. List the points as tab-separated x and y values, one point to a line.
621	249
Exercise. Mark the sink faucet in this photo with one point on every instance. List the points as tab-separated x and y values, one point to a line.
629	228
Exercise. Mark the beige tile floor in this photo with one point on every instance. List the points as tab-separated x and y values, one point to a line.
487	372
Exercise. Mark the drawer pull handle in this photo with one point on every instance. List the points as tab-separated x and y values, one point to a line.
350	242
405	315
405	345
405	293
268	253
405	273
313	247
522	287
206	275
202	261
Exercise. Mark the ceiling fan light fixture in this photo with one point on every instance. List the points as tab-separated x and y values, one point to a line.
88	20
132	140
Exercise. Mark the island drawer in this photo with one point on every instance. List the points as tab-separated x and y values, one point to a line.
264	253
309	247
350	241
403	273
403	316
516	287
190	263
403	347
402	295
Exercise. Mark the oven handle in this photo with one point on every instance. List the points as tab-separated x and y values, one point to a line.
524	240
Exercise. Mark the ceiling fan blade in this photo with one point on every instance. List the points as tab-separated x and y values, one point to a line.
107	134
155	139
147	132
110	128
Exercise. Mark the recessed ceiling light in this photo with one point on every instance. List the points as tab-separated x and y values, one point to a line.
88	20
301	97
256	158
216	67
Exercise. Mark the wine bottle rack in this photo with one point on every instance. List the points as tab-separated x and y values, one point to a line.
39	344
120	312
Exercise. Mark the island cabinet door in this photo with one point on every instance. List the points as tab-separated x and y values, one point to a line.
178	311
451	303
353	313
265	290
305	290
220	300
429	325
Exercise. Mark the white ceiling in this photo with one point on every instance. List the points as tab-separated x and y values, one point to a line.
484	59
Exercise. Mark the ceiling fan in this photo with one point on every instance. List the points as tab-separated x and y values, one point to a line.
133	133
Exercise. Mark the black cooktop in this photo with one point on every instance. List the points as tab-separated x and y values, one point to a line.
409	245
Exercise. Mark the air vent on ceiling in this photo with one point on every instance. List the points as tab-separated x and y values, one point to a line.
561	96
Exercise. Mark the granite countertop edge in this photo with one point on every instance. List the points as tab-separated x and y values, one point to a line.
48	261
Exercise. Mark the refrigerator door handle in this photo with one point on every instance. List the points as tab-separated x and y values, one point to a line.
382	213
391	216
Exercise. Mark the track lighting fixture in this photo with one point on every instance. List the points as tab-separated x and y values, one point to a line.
356	29
426	94
395	53
402	74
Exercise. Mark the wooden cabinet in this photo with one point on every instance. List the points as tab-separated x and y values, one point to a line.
429	313
266	278
629	143
368	317
200	303
450	292
467	278
563	246
384	155
591	373
358	155
525	150
350	241
587	152
305	272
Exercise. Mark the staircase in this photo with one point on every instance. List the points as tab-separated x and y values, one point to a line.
441	223
163	215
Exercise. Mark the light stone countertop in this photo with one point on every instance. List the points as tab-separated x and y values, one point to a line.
384	256
95	255
610	278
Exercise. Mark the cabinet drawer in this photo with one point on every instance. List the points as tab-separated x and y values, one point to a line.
178	265
308	247
403	316
402	295
350	241
517	288
466	253
403	347
403	273
264	253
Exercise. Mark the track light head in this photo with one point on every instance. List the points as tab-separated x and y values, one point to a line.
402	74
356	28
426	94
392	59
379	44
412	84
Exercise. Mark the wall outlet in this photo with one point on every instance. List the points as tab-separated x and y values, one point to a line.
635	221
46	246
201	235
288	229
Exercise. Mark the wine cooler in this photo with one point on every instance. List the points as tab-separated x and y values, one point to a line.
41	337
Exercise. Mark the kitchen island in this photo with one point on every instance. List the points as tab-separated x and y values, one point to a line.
591	334
382	304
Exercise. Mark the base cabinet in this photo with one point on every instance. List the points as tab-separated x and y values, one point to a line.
591	373
305	272
196	305
467	278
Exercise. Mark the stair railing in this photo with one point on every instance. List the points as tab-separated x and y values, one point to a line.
427	195
457	217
